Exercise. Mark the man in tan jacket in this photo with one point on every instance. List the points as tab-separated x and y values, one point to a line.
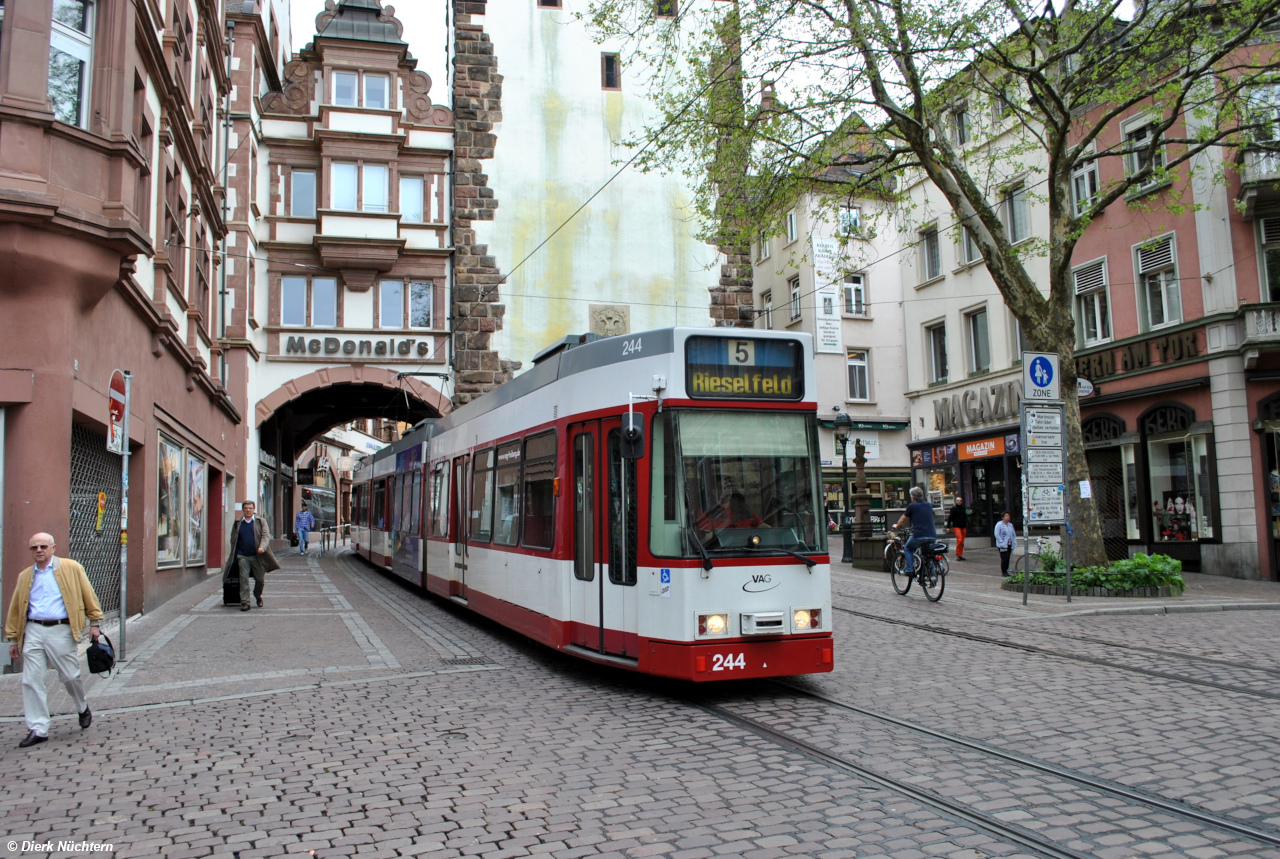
45	618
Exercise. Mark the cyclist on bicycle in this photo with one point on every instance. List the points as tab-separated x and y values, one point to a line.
923	533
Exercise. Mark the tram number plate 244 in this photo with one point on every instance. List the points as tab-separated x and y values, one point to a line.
728	661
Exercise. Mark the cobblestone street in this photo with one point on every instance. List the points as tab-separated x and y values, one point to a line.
354	717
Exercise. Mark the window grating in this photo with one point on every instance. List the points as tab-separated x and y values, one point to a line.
94	470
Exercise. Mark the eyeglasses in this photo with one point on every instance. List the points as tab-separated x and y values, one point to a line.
42	546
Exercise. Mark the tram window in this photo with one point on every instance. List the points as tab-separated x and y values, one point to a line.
378	520
584	559
620	572
664	524
482	497
507	495
415	520
440	502
393	506
539	498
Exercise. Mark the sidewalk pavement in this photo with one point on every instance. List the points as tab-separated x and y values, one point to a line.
977	579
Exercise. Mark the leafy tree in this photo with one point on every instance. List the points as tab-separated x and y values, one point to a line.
762	102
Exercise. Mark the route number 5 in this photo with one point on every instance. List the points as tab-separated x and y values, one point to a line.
743	353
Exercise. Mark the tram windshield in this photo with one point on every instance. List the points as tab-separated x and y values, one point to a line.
736	482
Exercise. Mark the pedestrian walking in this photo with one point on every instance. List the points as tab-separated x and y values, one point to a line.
302	525
958	522
251	553
1006	540
45	619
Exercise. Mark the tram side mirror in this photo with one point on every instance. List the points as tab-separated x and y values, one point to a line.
632	436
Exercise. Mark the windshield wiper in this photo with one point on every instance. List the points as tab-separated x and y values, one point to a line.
692	531
808	562
702	550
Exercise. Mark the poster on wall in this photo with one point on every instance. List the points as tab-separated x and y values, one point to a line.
169	509
827	288
195	509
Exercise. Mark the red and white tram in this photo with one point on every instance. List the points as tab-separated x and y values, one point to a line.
649	501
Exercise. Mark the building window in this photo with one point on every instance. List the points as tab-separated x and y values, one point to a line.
1084	185
969	251
1159	289
421	303
849	220
664	8
793	286
975	324
1017	217
345	87
376	88
766	308
71	60
1138	139
1092	306
324	302
302	194
1180	488
859	383
1270	234
1	19
411	199
960	126
1019	342
549	4
293	301
610	72
930	254
855	294
792	231
764	247
377	188
343	194
391	304
937	341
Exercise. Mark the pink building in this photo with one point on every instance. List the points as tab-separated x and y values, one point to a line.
1178	327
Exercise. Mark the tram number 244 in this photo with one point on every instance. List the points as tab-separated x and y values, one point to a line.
728	661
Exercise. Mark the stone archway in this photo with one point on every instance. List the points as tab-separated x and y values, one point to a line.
359	374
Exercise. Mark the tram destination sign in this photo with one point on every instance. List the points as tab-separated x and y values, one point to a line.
744	368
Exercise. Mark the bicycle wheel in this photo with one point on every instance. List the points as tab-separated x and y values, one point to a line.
1020	562
944	566
933	581
901	579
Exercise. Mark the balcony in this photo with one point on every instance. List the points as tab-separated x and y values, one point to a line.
1261	332
1259	179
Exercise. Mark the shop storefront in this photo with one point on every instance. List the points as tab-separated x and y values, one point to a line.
1154	481
983	468
1267	424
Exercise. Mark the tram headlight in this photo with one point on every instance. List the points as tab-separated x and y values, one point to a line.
713	624
806	619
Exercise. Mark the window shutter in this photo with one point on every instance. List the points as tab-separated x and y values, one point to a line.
1091	277
1271	231
1156	255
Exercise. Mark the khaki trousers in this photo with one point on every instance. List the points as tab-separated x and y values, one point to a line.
250	566
42	647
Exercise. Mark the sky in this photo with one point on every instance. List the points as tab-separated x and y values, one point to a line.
424	30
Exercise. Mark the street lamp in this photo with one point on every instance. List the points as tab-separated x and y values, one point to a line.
843	427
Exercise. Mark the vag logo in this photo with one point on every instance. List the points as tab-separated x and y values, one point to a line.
759	582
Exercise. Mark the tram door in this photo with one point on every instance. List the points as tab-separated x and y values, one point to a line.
603	601
460	524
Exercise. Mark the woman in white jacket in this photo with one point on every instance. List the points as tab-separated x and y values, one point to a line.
1006	539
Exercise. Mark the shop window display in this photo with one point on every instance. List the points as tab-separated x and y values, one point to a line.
1180	503
1272	442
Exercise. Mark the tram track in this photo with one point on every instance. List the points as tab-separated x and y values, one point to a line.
1075	657
1183	810
958	809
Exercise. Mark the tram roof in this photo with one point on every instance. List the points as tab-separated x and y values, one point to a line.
579	357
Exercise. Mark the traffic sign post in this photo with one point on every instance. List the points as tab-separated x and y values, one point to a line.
118	442
1044	455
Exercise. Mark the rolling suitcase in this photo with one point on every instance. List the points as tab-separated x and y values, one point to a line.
231	588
